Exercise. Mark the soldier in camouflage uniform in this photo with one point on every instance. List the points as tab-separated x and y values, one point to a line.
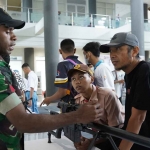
13	118
8	85
9	136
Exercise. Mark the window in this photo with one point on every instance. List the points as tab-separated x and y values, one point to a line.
77	7
106	9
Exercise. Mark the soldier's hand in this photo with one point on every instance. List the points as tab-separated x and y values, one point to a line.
46	101
89	112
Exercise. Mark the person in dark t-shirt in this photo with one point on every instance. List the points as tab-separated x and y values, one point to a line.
124	54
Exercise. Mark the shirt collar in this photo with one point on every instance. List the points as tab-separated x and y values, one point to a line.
97	64
1	59
94	94
75	57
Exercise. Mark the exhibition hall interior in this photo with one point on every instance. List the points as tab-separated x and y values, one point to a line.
83	21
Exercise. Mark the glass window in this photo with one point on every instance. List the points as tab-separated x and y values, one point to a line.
76	9
80	10
102	5
76	1
105	9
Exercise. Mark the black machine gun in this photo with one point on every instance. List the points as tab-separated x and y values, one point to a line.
73	132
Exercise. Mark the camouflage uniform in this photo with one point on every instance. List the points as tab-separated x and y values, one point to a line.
9	136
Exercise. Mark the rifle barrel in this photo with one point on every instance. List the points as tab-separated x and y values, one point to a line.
122	134
116	132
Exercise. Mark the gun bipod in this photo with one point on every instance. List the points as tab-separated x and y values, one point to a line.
104	135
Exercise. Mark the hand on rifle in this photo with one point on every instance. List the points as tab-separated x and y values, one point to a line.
89	112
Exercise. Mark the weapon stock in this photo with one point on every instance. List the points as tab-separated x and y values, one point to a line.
73	132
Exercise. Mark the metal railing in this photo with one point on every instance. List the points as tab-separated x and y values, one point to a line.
34	15
24	13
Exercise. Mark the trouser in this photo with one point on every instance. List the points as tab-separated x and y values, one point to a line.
34	107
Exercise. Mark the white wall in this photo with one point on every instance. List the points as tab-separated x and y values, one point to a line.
18	52
148	14
37	4
79	53
3	3
62	5
39	52
16	65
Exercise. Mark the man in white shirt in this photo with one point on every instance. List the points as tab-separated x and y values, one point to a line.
25	82
119	82
31	93
102	72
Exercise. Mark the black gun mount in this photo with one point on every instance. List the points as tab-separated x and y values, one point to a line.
73	132
25	103
68	107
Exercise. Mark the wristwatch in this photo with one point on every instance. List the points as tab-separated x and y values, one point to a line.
31	98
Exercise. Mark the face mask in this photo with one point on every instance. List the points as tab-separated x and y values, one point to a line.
86	58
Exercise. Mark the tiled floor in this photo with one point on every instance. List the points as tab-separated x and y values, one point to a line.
42	144
57	144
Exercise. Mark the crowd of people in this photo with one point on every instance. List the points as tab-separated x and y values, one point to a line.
98	91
